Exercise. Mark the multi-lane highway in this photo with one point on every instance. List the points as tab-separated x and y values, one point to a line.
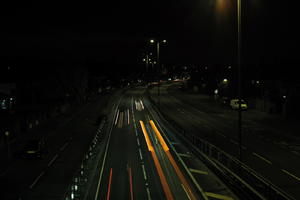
144	160
261	149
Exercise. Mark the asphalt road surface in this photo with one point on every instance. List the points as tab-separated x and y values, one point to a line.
144	160
217	125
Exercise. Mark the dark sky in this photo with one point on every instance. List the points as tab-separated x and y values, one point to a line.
102	33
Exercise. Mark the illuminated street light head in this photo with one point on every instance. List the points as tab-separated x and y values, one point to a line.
164	41
152	41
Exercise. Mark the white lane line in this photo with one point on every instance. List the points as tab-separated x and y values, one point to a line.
138	141
36	180
128	116
64	146
264	159
184	155
52	161
141	156
222	134
198	171
142	104
144	172
234	142
117	117
185	191
104	158
290	174
148	193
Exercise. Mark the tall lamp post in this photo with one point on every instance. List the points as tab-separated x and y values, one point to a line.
152	41
239	48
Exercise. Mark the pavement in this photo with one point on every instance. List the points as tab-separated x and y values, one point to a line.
262	145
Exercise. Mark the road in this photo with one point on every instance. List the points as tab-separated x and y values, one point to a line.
139	158
67	139
143	160
219	126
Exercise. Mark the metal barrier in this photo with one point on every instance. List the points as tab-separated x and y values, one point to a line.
81	181
244	180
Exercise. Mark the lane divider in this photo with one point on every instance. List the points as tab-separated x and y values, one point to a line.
262	158
290	174
36	180
218	196
53	159
162	177
117	117
198	171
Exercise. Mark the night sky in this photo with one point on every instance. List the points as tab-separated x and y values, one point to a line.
105	35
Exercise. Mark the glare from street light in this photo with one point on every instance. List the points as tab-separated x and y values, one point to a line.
151	41
164	41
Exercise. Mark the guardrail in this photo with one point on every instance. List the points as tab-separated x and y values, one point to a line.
244	180
81	181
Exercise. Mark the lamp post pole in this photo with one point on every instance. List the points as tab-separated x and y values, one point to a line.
158	70
239	78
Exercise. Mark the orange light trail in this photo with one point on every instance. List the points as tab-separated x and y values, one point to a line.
161	175
109	184
174	164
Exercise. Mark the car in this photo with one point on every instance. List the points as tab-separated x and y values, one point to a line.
234	103
34	148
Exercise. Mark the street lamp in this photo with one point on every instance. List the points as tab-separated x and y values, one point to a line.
152	41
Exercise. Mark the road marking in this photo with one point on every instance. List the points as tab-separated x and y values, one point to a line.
37	179
184	155
130	182
117	117
186	192
104	159
128	117
52	161
144	172
138	141
148	193
198	171
121	119
142	104
264	159
64	146
222	134
141	157
218	196
290	174
234	142
109	184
